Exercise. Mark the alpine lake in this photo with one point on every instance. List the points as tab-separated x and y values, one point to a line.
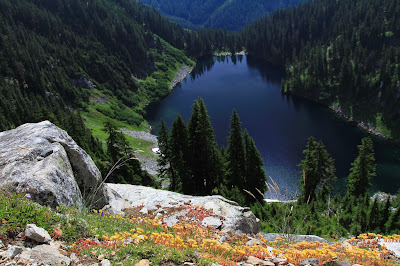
280	124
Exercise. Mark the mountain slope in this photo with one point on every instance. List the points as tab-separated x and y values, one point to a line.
224	14
66	52
343	54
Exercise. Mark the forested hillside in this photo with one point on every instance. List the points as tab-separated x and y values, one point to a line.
64	51
221	14
343	54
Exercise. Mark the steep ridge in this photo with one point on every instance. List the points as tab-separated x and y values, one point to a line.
222	14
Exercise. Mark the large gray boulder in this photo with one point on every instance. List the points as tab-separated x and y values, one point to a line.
44	161
238	219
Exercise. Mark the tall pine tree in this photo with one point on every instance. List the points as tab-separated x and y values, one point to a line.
180	155
362	170
207	166
235	154
166	167
255	174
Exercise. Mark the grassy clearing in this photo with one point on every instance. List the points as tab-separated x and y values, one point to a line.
94	120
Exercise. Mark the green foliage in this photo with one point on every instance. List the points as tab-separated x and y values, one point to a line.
318	171
16	211
128	170
362	170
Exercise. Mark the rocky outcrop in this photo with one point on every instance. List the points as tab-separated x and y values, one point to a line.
44	161
232	217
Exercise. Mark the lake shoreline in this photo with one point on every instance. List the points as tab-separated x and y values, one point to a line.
247	86
363	125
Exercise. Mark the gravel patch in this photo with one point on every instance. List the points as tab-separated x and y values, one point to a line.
148	162
180	75
141	135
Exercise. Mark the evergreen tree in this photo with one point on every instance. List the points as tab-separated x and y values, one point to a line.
207	166
164	160
385	214
180	155
374	216
113	141
235	154
255	174
393	225
318	171
362	170
128	168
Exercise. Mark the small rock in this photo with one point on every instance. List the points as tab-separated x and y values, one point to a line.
212	221
36	233
12	263
196	255
101	257
224	238
48	255
256	261
243	264
143	263
105	262
3	254
1	244
25	256
161	211
253	242
279	261
113	253
312	262
144	210
74	258
347	245
338	263
188	263
13	251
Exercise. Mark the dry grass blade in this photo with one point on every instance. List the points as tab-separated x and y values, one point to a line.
251	194
259	192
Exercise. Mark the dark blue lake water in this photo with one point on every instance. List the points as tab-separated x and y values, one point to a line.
279	124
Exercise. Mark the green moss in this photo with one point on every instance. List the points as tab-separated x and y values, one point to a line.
380	125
